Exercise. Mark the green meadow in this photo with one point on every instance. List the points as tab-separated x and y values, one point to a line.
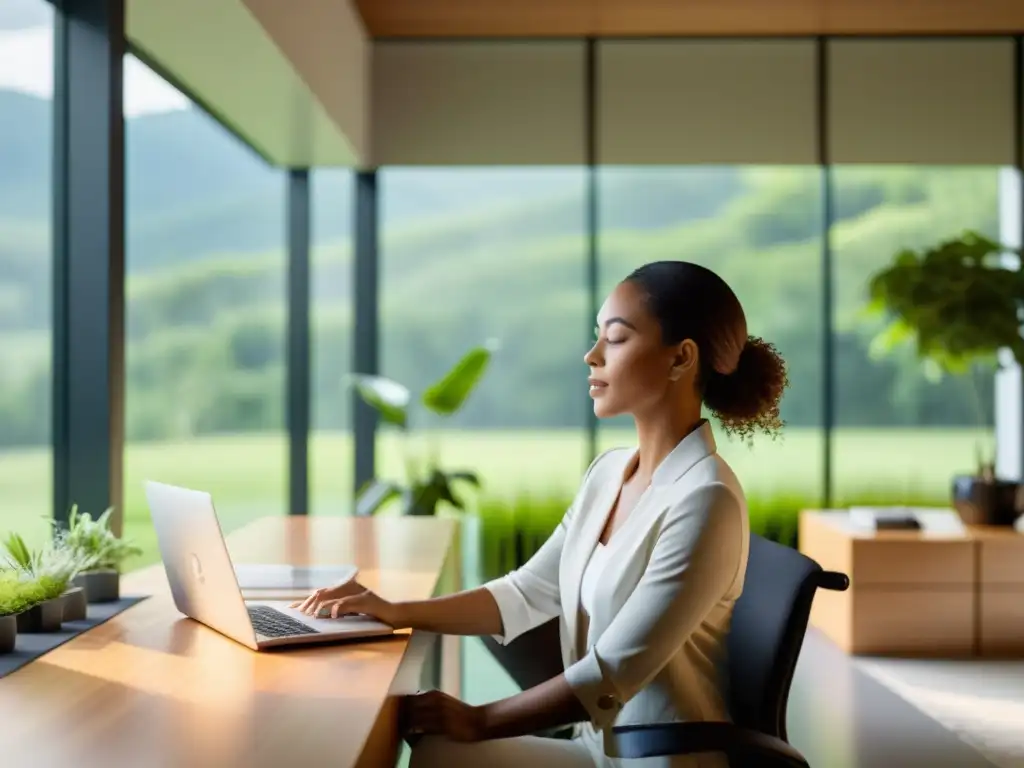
247	474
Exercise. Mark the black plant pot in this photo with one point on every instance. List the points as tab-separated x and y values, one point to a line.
8	633
75	604
101	586
42	618
983	501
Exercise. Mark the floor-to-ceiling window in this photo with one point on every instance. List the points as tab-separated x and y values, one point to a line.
900	438
205	315
472	256
26	151
477	255
330	448
760	228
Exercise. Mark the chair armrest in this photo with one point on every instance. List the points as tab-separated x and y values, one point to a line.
635	741
833	580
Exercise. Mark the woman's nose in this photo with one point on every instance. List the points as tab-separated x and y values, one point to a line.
592	358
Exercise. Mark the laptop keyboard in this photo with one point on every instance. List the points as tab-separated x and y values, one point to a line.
270	622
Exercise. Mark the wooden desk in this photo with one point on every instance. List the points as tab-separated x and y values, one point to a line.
949	590
152	688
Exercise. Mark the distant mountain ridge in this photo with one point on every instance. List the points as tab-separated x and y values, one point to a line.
192	188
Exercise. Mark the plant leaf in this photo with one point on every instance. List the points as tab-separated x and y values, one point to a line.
470	477
889	338
386	396
20	555
376	494
447	395
421	500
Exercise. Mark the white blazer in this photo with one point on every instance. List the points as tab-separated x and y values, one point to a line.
662	602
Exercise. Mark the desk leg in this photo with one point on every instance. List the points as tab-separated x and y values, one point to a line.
449	650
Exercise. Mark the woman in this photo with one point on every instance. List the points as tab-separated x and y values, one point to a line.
648	561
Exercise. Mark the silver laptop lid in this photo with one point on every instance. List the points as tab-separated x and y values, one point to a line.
197	562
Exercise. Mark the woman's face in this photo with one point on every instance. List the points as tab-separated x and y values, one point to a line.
632	371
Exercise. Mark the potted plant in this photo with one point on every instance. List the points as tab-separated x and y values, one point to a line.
101	553
958	303
17	595
75	602
51	570
426	484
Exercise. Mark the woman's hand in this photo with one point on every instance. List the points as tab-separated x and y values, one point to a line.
346	599
313	604
435	712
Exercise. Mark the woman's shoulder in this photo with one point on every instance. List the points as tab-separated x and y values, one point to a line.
609	465
710	489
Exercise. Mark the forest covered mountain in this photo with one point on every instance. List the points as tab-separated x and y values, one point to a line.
467	254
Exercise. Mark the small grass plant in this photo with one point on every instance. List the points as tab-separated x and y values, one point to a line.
18	594
93	543
50	568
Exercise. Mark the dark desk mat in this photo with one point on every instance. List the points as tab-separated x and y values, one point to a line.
29	647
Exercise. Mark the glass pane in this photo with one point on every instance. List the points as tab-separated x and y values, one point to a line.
330	450
205	318
900	439
469	255
760	229
26	152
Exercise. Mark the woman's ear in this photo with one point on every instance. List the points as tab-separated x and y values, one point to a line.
683	360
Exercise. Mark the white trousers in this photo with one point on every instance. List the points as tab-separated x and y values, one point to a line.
536	752
519	752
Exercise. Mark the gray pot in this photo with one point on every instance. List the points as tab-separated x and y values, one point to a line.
75	604
42	618
101	586
8	633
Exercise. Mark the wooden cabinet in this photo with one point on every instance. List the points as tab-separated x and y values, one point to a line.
947	590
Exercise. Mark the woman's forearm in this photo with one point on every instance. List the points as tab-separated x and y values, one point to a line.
548	705
473	612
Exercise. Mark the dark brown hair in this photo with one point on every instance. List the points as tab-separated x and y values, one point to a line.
742	377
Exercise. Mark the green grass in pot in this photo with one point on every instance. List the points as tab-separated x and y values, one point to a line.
51	568
17	593
94	544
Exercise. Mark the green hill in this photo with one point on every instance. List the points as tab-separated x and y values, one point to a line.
467	254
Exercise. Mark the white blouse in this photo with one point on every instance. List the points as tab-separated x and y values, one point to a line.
591	574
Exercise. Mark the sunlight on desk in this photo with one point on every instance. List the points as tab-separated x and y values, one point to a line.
151	687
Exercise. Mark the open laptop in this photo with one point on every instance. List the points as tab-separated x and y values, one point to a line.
205	587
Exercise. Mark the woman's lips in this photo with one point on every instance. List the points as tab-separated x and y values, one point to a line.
597	386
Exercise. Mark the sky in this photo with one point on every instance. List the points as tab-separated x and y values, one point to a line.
26	65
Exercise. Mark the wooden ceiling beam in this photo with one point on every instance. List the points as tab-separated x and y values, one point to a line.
710	18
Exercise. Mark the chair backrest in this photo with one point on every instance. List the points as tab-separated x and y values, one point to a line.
768	625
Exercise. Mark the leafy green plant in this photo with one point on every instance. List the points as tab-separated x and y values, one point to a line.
17	593
94	543
51	568
426	484
957	303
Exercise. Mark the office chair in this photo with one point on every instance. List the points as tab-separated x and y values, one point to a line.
767	631
768	626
